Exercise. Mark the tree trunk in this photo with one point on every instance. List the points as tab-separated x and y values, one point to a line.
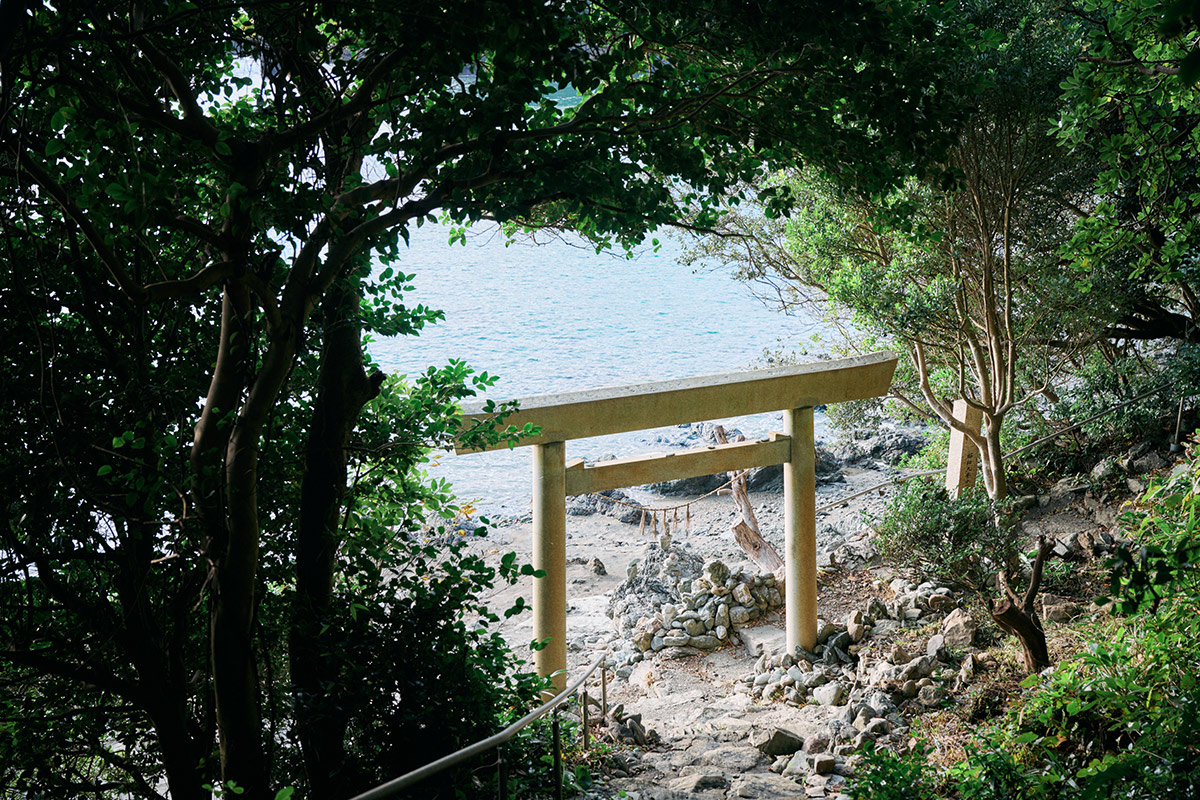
745	530
235	680
993	460
1017	616
343	389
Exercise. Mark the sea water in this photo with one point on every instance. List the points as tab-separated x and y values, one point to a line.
558	317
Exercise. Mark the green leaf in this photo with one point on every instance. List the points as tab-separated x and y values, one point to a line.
1025	738
222	148
54	147
104	470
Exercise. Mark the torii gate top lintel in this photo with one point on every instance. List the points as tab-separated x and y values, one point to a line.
597	412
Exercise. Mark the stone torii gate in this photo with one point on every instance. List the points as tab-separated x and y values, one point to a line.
577	415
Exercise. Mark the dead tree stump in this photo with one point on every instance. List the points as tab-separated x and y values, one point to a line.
1018	617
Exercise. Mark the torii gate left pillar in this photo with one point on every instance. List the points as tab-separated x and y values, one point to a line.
795	390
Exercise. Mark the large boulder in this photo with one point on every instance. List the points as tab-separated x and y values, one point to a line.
777	742
690	486
626	510
958	629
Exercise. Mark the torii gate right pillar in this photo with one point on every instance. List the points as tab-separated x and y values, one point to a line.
800	531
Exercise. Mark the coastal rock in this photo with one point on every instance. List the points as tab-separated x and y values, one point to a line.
931	696
689	486
716	572
1058	609
890	448
770	479
1106	469
914	670
1150	462
936	646
823	764
603	503
731	757
763	786
855	626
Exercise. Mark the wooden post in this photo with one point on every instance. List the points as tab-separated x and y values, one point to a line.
800	531
550	554
962	464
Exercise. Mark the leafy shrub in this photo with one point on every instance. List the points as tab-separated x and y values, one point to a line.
883	775
956	541
856	417
422	673
933	455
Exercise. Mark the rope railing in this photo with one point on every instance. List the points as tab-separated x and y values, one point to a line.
896	481
396	785
1075	426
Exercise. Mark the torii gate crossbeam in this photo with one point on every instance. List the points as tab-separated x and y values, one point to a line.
577	415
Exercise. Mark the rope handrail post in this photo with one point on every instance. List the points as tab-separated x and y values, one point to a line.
585	720
603	695
501	773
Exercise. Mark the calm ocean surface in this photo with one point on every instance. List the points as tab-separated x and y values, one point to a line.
558	317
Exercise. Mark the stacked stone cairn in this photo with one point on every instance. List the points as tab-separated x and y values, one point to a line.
675	599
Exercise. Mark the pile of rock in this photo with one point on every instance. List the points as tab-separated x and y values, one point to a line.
675	599
868	692
914	602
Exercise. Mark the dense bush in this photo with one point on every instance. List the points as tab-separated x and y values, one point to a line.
956	541
424	672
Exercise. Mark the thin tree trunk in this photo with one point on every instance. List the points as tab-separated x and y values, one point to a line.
343	389
745	530
994	461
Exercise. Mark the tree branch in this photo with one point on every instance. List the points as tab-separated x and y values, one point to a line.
1035	580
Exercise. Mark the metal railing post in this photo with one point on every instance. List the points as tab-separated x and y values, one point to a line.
585	720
